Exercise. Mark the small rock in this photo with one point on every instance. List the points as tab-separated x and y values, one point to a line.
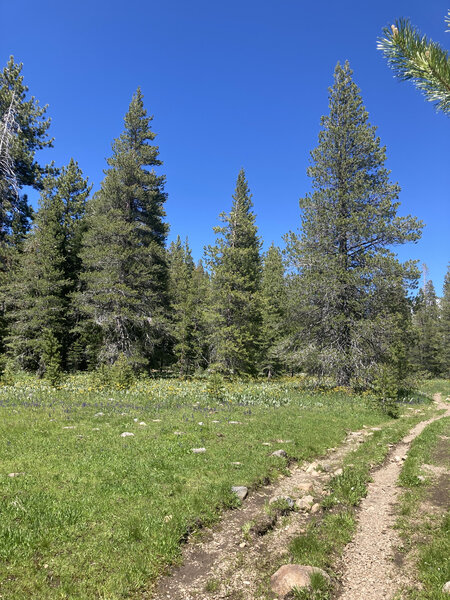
201	423
242	545
338	472
178	433
15	474
215	421
397	458
241	491
285	499
135	420
306	487
198	450
446	588
143	424
96	429
376	428
326	468
156	420
315	508
421	478
69	427
311	468
266	444
289	576
99	414
279	453
236	463
304	503
234	422
126	434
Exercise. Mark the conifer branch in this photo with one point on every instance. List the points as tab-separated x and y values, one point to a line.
413	56
8	129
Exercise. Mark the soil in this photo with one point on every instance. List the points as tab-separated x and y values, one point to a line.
230	562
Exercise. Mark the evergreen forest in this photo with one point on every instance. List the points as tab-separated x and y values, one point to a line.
88	281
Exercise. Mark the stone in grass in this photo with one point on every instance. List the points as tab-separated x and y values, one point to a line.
178	433
279	453
198	450
69	427
305	503
99	414
15	474
290	576
283	500
143	423
240	491
126	434
446	588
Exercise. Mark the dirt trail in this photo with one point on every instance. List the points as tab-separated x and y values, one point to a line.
224	560
370	571
224	565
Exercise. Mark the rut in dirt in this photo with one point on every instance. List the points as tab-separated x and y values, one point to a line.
369	569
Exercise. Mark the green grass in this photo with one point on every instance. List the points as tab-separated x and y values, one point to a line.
95	515
427	533
434	386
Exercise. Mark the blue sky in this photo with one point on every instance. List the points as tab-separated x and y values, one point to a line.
233	84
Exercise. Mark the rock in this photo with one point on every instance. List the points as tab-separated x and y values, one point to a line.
376	428
96	429
143	424
397	458
266	444
99	414
236	463
178	433
215	421
279	453
69	427
312	467
338	472
315	508
306	487
289	576
326	468
446	588
234	422
198	450
156	420
126	434
304	503
15	474
135	420
285	499
200	423
421	478
241	491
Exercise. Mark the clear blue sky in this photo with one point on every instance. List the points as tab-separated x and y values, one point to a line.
233	84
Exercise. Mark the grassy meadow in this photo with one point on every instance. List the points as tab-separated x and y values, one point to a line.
87	513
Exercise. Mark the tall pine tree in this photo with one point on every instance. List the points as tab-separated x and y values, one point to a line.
348	223
48	271
428	350
23	131
274	306
445	325
188	294
235	266
125	268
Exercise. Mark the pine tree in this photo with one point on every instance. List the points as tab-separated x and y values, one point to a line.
235	265
49	269
413	56
428	349
445	325
348	223
188	295
23	131
125	268
274	306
